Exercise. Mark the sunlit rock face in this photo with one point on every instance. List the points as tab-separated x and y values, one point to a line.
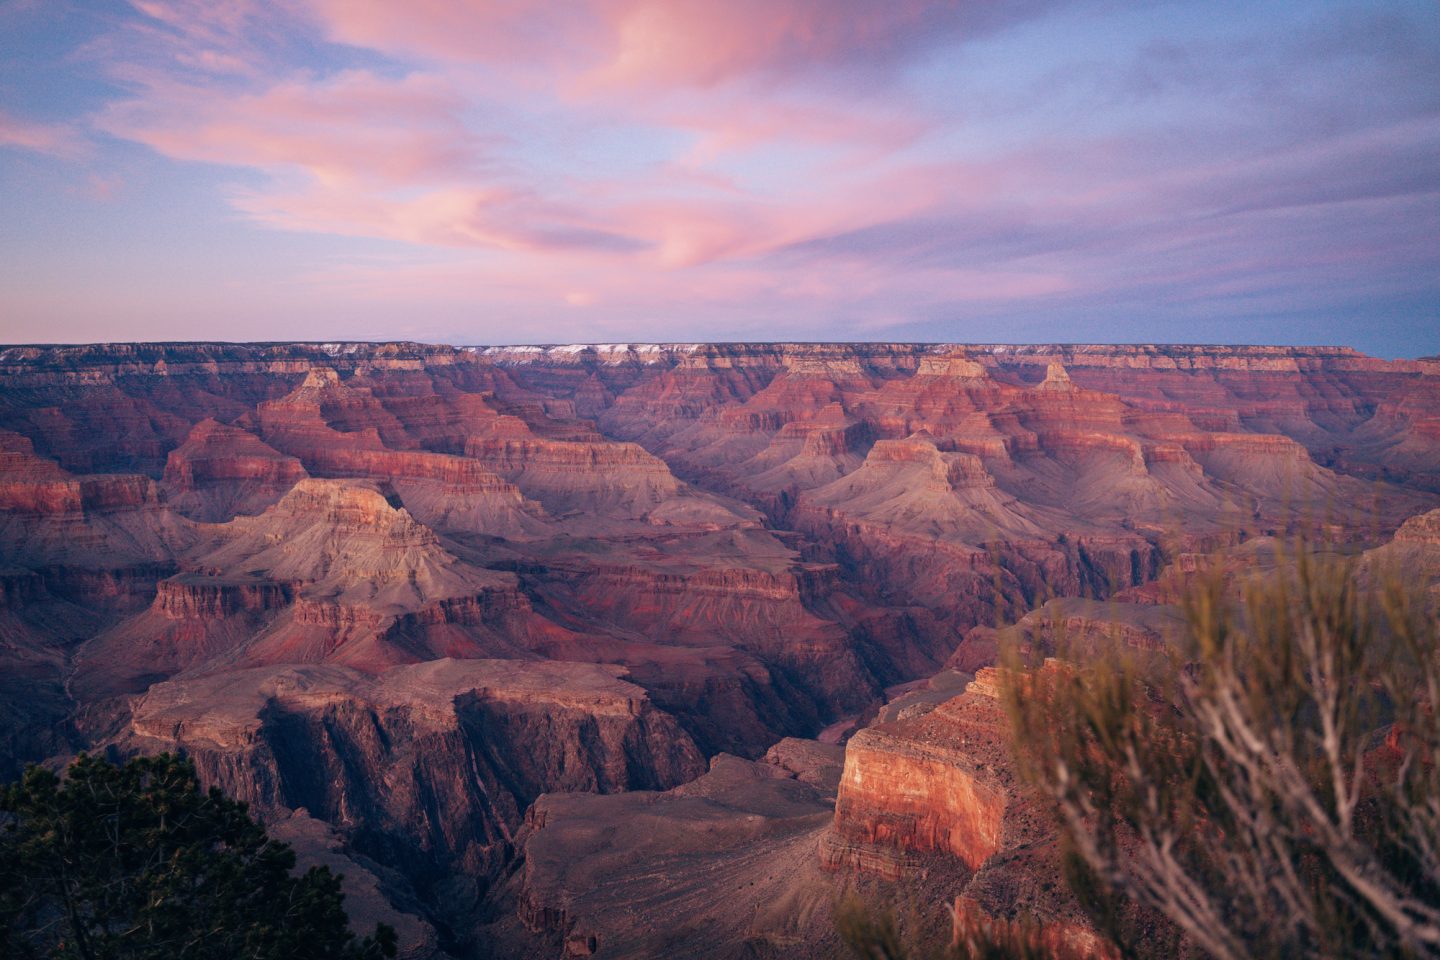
932	783
462	614
935	782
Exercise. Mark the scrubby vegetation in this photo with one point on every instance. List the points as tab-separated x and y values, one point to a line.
1272	790
885	933
1268	789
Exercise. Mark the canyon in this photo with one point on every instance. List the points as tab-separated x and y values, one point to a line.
651	650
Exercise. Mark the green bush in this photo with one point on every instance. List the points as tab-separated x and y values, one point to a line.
136	862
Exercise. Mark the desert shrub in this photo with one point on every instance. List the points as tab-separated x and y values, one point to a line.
1272	788
881	932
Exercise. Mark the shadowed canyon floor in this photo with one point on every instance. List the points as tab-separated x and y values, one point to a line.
649	650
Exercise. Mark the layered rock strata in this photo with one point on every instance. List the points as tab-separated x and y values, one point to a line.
764	538
458	749
941	782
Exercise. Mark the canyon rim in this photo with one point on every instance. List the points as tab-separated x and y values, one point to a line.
649	650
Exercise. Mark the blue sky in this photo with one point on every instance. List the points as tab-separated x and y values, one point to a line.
614	170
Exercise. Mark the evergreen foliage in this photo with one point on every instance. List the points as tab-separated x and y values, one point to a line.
137	862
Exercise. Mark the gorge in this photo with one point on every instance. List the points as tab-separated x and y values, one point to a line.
650	650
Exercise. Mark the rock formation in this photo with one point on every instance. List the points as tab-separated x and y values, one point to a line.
941	781
220	471
426	768
475	619
721	867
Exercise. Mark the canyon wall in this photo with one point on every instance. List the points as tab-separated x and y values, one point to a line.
460	613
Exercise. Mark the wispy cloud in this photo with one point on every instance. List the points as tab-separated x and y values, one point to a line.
813	162
55	139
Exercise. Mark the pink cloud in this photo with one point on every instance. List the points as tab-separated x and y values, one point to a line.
103	189
530	31
361	154
56	140
606	44
635	157
677	228
205	37
452	217
351	127
702	43
735	123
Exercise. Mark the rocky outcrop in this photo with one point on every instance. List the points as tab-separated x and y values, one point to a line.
1411	559
194	620
221	471
336	571
349	542
598	478
732	650
446	490
957	364
941	782
77	496
1420	530
1078	629
1056	378
463	747
32	486
214	598
50	517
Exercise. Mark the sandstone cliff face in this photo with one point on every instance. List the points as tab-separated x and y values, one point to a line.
763	536
213	598
50	517
936	783
36	487
938	780
222	471
460	748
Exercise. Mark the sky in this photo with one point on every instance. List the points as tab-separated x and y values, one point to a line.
527	171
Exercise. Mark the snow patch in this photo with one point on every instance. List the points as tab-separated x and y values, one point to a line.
608	353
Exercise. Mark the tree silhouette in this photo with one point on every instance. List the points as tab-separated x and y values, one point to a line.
136	862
